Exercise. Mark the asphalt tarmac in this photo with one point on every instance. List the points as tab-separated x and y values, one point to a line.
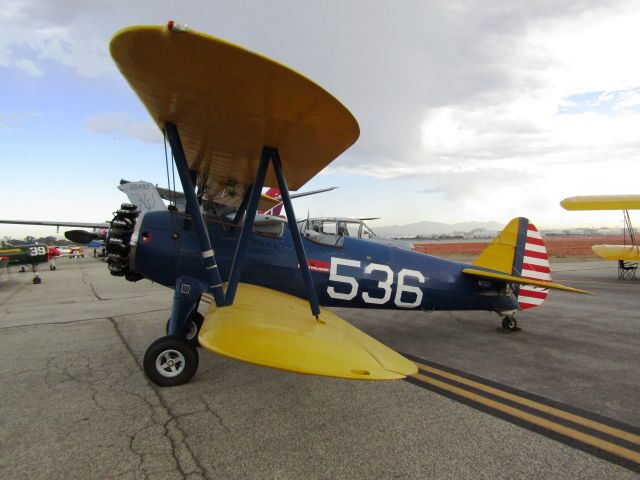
74	402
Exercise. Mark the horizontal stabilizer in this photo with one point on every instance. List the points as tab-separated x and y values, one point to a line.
520	280
277	330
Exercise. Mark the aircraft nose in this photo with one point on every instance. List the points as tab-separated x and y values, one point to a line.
119	242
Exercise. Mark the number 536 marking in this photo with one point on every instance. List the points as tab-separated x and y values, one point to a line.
384	285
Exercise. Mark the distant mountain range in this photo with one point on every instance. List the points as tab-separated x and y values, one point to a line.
428	229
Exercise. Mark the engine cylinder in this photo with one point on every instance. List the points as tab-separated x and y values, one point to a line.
118	242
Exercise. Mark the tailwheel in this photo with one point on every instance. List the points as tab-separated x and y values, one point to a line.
170	361
509	323
52	267
195	323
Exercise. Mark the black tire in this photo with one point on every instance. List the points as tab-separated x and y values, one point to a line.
170	361
52	267
509	323
37	280
195	323
22	269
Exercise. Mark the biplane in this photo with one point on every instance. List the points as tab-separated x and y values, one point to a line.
628	254
237	122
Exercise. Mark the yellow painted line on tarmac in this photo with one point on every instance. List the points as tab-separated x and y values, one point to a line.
541	422
592	424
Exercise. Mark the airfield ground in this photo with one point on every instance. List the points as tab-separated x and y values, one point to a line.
74	402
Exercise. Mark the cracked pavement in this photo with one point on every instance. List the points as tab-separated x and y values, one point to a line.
74	403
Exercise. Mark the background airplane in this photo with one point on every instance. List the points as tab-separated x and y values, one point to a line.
628	254
28	255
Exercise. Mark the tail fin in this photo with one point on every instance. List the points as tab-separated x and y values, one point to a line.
519	251
277	210
143	195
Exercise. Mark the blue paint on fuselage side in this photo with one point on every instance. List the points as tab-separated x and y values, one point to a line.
271	262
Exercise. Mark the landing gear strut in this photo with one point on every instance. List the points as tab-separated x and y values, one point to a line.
509	323
195	322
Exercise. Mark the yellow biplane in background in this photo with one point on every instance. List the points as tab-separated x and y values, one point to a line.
628	254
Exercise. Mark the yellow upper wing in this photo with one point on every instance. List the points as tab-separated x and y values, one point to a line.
228	103
602	202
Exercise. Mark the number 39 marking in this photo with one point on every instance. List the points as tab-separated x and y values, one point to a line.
35	251
385	285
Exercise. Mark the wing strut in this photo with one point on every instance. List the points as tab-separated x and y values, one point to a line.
247	226
272	155
193	209
295	233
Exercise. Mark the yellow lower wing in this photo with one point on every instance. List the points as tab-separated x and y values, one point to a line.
274	329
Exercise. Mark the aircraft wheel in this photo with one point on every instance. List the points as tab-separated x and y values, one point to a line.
170	361
37	280
195	323
509	323
22	269
52	267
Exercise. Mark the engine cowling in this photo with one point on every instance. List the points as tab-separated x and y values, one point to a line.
118	242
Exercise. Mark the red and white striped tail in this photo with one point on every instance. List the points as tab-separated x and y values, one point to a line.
535	265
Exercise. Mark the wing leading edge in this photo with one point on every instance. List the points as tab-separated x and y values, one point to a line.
274	329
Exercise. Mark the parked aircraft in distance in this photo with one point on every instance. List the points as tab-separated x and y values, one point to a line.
627	255
27	255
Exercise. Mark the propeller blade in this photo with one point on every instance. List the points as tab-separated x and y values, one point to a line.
81	236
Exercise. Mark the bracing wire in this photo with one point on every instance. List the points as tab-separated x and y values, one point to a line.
629	228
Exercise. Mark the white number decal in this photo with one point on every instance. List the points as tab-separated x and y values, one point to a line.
334	277
408	288
386	285
33	251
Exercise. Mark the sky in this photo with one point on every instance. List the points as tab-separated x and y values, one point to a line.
468	111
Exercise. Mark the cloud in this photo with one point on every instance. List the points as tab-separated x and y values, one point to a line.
486	100
429	191
123	126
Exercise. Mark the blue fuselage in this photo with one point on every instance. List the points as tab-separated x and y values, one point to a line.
349	273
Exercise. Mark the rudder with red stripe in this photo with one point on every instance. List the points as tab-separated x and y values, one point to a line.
531	260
